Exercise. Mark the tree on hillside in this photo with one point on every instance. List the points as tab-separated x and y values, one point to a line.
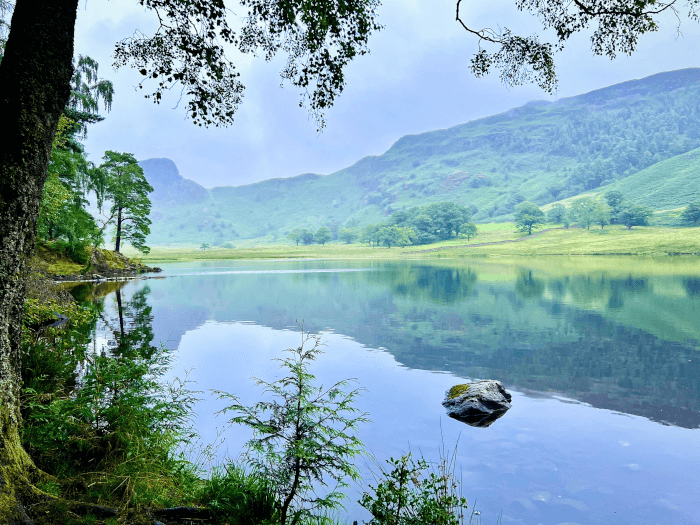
691	214
583	211
469	229
528	216
447	217
348	235
307	236
601	214
295	236
556	213
614	200
323	235
127	189
369	234
635	216
394	236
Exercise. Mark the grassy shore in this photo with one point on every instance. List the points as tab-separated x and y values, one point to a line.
493	240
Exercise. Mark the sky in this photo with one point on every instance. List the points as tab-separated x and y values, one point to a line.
415	79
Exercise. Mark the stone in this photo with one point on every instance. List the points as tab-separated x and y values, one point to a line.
478	404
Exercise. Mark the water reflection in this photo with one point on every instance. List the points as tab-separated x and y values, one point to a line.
621	342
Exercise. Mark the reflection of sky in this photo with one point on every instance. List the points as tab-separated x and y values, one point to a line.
549	460
546	461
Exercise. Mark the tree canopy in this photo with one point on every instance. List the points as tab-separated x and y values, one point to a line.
616	27
127	189
528	216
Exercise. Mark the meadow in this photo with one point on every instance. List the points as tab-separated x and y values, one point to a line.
494	239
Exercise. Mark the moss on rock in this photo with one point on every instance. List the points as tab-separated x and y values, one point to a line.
457	391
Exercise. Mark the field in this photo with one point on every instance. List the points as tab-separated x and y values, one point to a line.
495	239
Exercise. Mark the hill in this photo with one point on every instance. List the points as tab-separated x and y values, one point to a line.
667	187
541	152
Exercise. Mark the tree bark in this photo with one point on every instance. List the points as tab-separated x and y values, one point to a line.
119	231
35	78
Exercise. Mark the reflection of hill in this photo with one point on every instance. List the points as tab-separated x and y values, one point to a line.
578	335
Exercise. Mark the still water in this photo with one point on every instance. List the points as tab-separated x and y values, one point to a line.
601	356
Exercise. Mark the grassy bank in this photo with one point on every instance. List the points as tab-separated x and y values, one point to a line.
494	239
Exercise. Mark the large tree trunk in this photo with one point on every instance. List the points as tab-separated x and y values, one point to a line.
34	88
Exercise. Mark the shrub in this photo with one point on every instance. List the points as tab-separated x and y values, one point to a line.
302	437
414	493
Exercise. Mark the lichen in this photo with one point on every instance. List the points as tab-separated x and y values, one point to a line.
457	391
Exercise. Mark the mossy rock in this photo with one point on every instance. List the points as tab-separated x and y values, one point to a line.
457	391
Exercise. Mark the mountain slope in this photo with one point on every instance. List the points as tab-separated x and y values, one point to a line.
541	152
667	186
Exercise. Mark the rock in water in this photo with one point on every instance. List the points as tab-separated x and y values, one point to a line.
477	404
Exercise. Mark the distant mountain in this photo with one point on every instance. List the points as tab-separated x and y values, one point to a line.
171	188
542	151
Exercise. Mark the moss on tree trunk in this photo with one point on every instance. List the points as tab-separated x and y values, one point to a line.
34	87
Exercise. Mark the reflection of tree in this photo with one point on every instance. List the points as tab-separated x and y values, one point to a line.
527	286
441	285
692	287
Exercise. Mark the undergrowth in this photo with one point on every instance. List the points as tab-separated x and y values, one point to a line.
106	429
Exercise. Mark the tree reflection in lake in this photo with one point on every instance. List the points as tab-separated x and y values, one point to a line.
623	341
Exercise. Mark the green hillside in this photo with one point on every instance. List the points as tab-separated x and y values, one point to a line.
668	186
541	152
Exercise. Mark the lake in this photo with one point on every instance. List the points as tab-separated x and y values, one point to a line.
601	356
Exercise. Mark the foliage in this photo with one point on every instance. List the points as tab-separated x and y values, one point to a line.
126	187
295	236
394	236
418	225
635	215
412	492
188	48
322	235
62	213
614	199
583	211
239	497
602	213
87	90
348	235
303	436
556	214
691	213
618	25
469	229
204	246
104	419
528	216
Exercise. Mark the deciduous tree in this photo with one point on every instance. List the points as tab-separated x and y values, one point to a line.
691	214
635	216
601	214
469	229
583	211
556	213
323	235
528	216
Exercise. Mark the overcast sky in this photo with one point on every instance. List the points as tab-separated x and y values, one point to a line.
416	79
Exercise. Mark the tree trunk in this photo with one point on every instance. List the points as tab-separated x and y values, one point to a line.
35	78
119	230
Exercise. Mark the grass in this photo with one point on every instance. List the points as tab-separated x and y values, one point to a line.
613	240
